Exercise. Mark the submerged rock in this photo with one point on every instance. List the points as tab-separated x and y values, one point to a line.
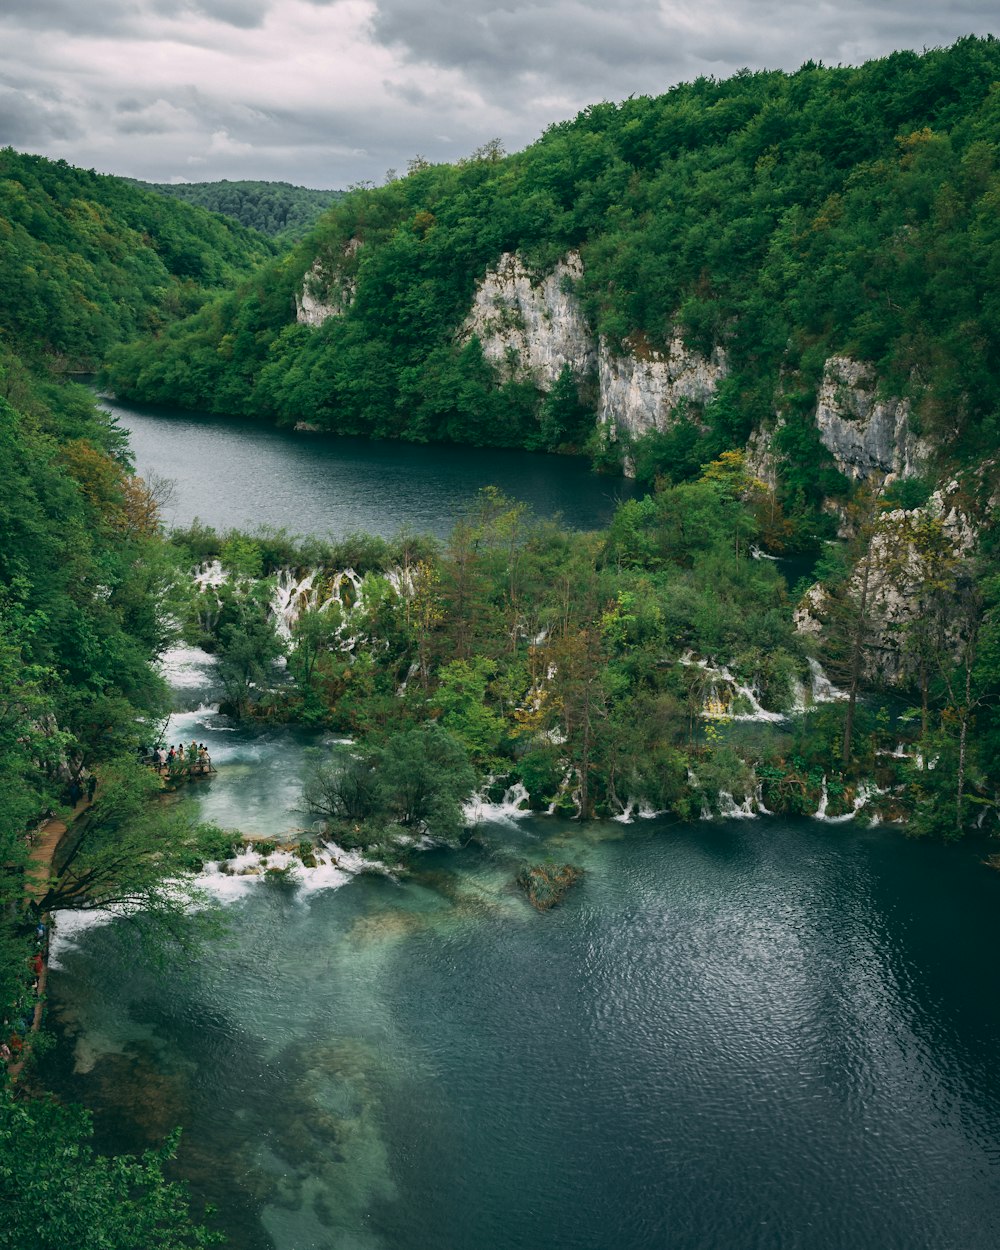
547	884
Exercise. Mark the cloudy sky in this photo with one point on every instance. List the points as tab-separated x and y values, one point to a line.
330	92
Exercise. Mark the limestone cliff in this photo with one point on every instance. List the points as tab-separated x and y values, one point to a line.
863	433
327	288
640	391
910	554
531	327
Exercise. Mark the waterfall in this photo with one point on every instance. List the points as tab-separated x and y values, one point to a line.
866	791
729	809
513	806
230	879
719	701
294	595
823	690
210	575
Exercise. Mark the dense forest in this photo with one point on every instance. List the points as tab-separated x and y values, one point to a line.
88	260
277	209
783	217
85	580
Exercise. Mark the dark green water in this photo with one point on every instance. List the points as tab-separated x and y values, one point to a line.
234	473
757	1034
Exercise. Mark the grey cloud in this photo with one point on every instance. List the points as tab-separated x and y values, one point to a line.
460	73
245	14
29	120
68	16
587	50
125	17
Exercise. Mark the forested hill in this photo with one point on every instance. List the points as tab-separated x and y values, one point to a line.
277	209
88	260
783	219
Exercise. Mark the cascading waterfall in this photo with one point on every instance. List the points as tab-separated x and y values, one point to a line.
334	866
294	595
513	806
209	576
823	689
720	701
866	791
729	809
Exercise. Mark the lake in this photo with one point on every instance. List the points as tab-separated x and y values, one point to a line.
743	1035
237	474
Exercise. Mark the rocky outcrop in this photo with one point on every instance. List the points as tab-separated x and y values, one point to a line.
327	291
529	327
762	461
643	390
864	434
532	328
912	555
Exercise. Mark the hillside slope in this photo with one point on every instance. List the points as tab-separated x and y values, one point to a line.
88	260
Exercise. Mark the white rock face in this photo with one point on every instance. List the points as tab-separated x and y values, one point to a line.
762	461
638	394
531	328
908	549
864	434
326	290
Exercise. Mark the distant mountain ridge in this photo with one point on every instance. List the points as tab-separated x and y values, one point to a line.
277	209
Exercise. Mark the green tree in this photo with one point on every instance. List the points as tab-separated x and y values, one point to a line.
131	853
57	1191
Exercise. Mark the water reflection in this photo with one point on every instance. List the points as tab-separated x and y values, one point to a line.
326	486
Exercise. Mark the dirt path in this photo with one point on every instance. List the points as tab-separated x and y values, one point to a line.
44	844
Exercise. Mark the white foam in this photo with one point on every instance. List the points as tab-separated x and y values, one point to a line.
211	574
231	880
186	668
68	925
729	809
510	808
866	791
719	708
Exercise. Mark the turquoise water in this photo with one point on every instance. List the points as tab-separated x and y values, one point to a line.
234	473
751	1034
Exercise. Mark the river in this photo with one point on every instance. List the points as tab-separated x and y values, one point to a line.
742	1035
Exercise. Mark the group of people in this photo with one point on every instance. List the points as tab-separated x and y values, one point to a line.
16	1028
193	758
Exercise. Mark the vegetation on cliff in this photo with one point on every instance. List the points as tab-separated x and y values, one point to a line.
785	217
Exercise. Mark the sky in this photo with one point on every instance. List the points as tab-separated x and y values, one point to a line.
327	93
